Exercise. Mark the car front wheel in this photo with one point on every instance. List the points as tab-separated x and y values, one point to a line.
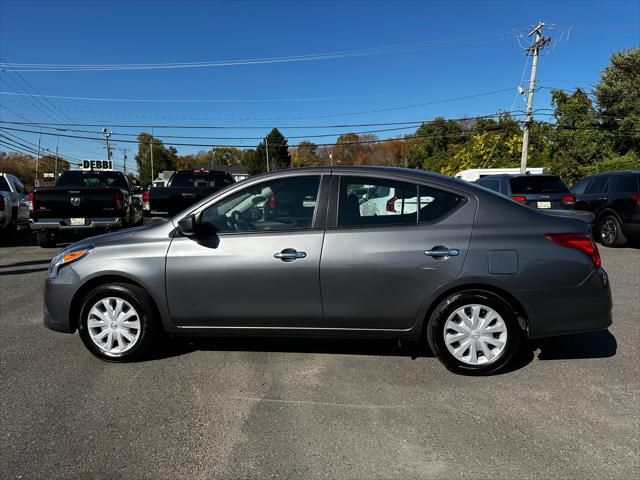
474	333
116	322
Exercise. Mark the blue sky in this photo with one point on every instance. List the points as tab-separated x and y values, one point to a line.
463	49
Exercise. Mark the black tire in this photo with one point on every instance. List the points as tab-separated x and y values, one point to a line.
140	300
610	232
46	241
438	320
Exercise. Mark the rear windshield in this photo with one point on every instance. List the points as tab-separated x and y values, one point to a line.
200	180
80	178
538	184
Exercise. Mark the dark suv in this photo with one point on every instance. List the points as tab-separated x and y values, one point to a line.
546	193
614	197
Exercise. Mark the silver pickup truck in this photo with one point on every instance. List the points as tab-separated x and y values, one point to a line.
14	207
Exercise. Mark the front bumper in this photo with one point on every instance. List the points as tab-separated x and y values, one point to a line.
58	298
63	224
584	308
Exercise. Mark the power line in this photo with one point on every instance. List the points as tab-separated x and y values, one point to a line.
382	50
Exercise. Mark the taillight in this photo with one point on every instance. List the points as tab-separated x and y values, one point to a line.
519	198
272	202
31	198
146	201
579	241
569	200
636	198
391	204
117	201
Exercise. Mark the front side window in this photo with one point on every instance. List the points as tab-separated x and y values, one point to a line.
372	201
284	204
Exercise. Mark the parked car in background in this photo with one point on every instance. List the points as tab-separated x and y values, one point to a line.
546	193
614	198
183	189
474	174
383	200
291	253
14	207
83	200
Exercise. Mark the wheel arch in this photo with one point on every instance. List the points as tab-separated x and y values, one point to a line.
509	299
81	293
605	212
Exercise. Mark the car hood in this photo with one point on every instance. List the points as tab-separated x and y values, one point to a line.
129	235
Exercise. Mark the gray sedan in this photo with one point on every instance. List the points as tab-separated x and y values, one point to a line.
291	253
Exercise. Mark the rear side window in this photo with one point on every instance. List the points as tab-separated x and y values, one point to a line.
627	184
598	185
436	204
490	183
4	186
537	184
580	187
374	201
367	201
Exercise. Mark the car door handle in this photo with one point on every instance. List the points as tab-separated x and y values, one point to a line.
289	255
442	252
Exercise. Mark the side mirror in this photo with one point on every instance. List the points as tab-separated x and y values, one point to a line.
187	226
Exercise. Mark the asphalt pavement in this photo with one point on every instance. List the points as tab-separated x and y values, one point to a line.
262	408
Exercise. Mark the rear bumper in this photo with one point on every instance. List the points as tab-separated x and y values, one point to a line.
580	309
62	224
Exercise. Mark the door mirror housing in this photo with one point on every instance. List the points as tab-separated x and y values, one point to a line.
187	226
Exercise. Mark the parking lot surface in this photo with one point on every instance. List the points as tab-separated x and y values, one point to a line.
291	408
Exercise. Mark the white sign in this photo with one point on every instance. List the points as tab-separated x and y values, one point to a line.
49	175
97	165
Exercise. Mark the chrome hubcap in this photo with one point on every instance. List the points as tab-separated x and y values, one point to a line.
113	325
608	231
475	334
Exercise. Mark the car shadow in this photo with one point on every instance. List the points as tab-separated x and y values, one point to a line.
25	264
6	273
600	344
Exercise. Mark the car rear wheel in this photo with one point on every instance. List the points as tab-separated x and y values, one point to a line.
116	322
610	232
474	333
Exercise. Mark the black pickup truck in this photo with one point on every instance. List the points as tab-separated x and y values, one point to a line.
83	200
183	189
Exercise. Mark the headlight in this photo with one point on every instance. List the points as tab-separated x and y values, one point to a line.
67	256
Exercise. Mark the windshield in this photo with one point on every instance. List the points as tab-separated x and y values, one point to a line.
200	180
92	179
538	184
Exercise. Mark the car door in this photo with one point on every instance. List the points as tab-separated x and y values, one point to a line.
254	261
20	199
377	270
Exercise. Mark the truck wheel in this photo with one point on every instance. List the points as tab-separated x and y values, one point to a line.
117	322
611	232
45	240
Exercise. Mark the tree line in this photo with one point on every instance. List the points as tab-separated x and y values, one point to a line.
585	132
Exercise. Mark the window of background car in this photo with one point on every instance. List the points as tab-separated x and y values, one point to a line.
490	183
284	204
534	184
4	186
598	185
366	201
436	203
627	183
580	187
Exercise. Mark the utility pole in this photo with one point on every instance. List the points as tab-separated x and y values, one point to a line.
56	167
539	43
266	144
36	182
152	157
125	160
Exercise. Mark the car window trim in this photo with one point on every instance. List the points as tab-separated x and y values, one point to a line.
316	223
334	193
